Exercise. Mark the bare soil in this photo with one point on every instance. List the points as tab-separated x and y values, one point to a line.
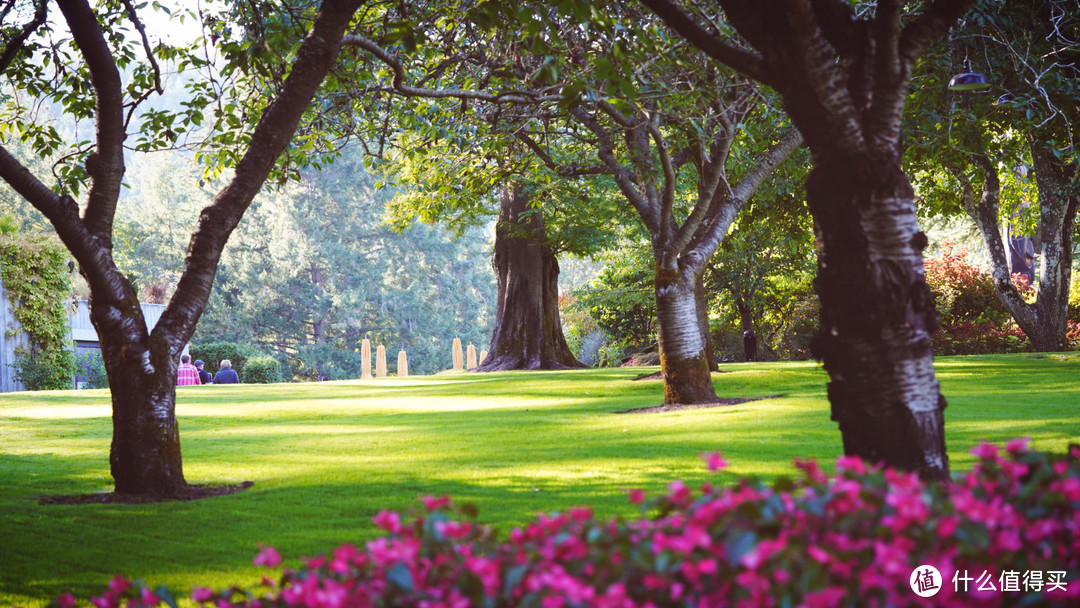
194	492
672	407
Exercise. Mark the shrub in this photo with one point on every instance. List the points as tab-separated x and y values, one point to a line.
212	353
859	538
91	366
969	338
962	292
262	370
42	370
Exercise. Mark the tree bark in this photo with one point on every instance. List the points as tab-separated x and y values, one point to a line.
702	304
1045	322
684	358
528	332
876	315
144	457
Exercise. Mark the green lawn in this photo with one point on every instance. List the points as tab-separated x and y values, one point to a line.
326	457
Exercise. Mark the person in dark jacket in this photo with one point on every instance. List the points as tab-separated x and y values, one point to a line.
226	375
204	376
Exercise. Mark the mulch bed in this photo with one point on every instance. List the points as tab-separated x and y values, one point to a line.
194	492
672	407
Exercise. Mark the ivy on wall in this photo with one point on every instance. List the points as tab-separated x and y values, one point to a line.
35	274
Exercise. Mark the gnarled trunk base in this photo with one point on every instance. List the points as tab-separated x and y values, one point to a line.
528	331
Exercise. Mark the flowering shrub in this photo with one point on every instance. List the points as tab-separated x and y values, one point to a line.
963	292
853	539
972	319
1072	336
978	339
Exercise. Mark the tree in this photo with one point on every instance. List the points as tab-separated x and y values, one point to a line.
1007	150
540	216
766	262
145	454
843	77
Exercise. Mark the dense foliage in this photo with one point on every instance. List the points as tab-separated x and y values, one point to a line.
261	370
972	318
36	278
212	354
1007	533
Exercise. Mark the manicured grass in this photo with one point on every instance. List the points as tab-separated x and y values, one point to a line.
326	457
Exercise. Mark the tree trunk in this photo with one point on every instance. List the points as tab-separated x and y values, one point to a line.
144	457
528	331
684	361
876	315
702	304
1045	322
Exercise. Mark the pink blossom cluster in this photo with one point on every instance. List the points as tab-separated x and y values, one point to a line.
850	539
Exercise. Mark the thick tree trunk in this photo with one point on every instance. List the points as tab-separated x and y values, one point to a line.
144	458
684	360
528	331
876	315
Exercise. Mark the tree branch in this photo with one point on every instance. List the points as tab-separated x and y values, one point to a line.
929	26
106	165
134	18
623	177
11	49
721	218
271	136
687	26
401	87
560	169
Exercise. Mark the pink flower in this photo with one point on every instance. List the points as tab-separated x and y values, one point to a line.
985	451
202	594
851	463
268	557
714	461
388	520
1017	446
810	468
679	493
433	504
119	584
148	598
66	600
637	496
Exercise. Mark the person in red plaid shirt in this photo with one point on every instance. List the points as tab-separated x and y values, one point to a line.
187	374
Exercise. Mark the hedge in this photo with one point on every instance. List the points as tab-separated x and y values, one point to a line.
212	353
262	370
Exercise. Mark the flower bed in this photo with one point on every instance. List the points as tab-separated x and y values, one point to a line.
1007	533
